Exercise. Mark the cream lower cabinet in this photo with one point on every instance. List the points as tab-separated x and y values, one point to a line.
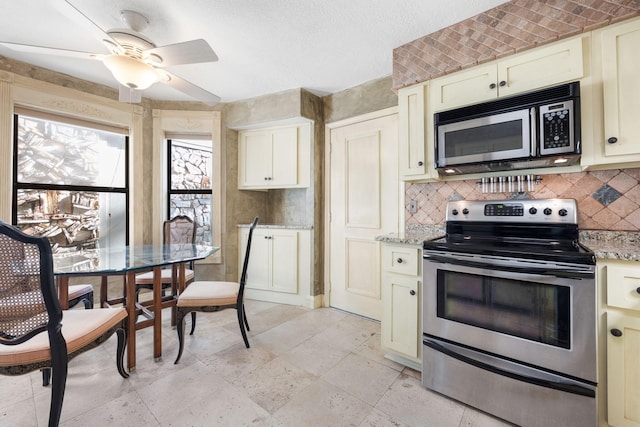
275	158
616	131
541	67
401	289
622	353
279	265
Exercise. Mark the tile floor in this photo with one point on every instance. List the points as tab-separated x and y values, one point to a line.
305	367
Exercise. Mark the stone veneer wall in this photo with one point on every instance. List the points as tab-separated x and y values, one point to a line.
607	200
506	29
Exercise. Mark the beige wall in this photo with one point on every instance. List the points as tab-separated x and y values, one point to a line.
289	207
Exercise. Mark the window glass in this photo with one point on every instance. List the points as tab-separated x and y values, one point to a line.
190	184
70	184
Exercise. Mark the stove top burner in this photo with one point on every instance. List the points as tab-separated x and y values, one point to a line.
529	229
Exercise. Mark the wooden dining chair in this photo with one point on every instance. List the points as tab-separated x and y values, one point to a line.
211	296
178	230
33	334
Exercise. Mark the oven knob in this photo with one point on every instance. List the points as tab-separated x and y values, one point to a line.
533	211
547	211
454	212
562	212
465	211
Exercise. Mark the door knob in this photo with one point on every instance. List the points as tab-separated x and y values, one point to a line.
412	292
616	332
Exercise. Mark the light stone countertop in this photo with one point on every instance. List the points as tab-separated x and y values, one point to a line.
288	227
619	245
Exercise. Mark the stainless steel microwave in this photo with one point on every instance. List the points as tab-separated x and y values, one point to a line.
532	130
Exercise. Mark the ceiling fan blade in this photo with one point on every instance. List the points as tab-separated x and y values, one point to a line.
43	50
190	89
68	9
129	95
191	52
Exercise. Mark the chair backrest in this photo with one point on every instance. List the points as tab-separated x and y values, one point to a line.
179	229
29	304
243	276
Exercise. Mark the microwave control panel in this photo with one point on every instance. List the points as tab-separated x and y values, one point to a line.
556	128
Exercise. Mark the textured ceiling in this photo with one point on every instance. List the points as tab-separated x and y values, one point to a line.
263	46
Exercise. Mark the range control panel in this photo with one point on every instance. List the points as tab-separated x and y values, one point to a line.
563	211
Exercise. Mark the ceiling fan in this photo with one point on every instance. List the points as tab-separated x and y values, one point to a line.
134	60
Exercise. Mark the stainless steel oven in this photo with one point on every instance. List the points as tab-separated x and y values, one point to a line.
509	312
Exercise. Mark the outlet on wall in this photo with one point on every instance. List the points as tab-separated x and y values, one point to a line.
413	206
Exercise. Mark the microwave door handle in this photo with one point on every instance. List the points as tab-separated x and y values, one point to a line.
534	135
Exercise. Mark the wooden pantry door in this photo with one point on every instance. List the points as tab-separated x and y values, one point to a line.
362	202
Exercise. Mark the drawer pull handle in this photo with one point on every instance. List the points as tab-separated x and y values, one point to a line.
399	260
616	332
412	292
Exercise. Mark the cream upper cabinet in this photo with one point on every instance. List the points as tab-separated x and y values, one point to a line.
401	322
621	280
275	157
415	129
545	66
619	64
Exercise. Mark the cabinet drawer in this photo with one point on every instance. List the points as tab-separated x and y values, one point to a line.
403	259
623	287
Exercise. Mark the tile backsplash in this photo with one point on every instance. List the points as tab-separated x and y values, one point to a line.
607	200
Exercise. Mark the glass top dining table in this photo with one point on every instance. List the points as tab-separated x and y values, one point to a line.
127	261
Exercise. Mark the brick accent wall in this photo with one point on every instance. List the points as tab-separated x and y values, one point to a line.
506	29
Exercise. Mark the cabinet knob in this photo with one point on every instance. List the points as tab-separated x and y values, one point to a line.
638	290
420	163
612	140
492	86
502	83
616	332
412	292
399	260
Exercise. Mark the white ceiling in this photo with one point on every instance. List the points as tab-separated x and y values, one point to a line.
264	46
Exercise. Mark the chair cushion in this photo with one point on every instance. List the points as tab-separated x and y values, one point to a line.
147	278
76	291
208	293
79	328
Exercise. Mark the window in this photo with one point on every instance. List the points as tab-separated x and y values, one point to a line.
189	187
70	182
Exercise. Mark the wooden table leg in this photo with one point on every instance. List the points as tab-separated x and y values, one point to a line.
130	305
157	313
63	291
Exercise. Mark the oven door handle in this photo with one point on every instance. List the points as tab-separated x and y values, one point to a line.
510	369
529	270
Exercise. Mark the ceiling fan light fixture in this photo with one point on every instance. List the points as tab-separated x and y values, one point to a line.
131	72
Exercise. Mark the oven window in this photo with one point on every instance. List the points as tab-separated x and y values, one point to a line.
533	311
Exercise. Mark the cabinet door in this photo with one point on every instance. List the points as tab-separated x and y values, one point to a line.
259	264
411	103
623	369
400	329
255	159
475	85
621	88
545	66
284	260
284	157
